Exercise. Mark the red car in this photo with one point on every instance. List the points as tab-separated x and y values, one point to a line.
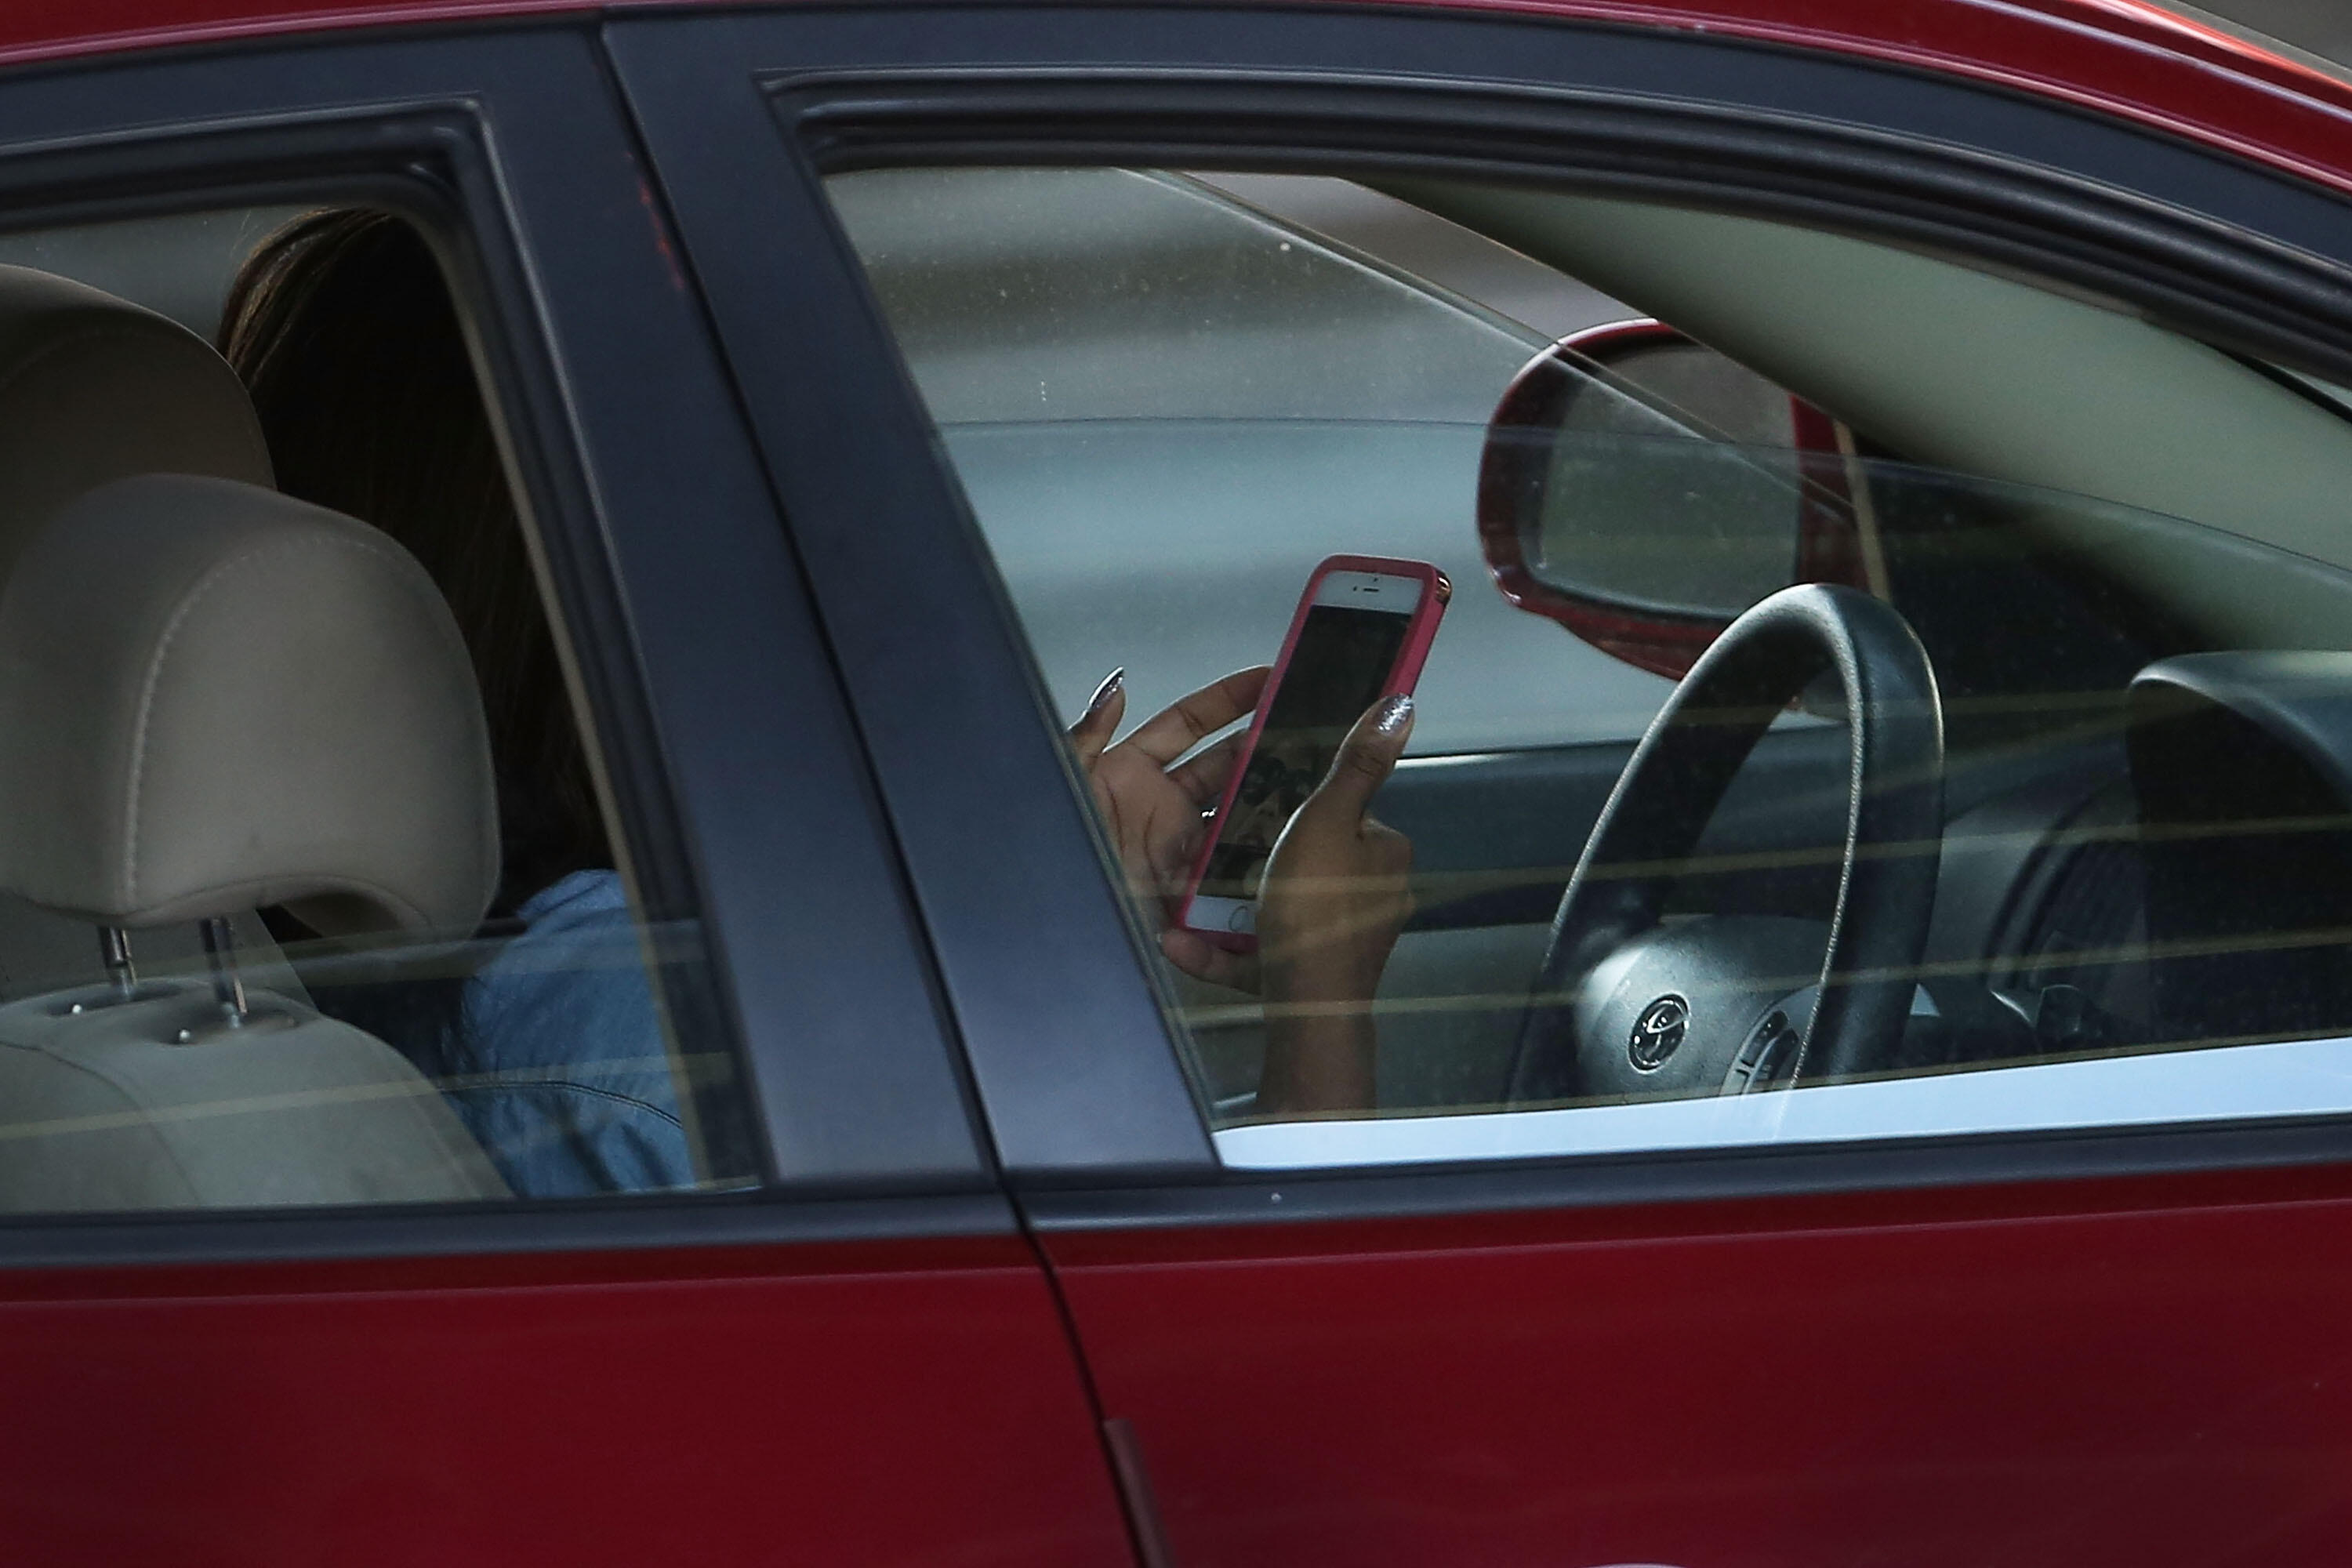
564	995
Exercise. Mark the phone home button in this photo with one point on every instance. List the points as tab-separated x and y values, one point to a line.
1243	920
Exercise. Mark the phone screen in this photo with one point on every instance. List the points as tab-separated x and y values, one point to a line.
1336	669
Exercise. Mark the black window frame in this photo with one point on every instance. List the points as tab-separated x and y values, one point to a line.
718	711
1073	1051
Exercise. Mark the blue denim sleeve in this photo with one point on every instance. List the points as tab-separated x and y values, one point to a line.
565	1075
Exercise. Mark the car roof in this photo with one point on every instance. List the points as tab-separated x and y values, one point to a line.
2177	73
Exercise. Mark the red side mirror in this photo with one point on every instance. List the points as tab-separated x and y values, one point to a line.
1641	491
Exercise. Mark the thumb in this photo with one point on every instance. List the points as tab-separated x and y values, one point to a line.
1369	755
1203	960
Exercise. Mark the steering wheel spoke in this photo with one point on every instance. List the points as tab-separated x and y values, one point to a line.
1628	1004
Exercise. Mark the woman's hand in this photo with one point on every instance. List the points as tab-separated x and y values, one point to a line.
1153	808
1336	894
1329	910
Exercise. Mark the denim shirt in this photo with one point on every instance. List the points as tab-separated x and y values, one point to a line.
563	1073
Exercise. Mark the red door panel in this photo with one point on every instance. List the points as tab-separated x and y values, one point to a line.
1806	1384
908	1403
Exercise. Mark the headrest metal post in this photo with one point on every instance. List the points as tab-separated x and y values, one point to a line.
228	986
114	951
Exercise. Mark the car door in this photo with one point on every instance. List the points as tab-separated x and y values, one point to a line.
833	1342
1970	1330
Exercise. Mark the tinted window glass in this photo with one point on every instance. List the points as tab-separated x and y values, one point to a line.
309	894
2033	766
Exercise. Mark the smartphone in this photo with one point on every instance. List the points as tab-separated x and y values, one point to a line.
1362	629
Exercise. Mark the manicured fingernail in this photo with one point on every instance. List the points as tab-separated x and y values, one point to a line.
1105	692
1394	711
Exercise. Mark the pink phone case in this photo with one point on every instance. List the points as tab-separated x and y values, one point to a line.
1418	634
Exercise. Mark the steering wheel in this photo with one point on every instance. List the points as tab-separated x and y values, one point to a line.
1627	1006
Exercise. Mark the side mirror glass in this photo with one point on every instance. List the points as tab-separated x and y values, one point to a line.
1643	490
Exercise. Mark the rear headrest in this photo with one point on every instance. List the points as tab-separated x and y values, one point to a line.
214	698
94	388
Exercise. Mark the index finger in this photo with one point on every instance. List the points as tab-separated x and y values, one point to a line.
1185	723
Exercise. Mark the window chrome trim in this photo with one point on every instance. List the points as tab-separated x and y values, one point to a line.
2243	1084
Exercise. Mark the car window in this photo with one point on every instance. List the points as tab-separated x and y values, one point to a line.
2003	785
1165	405
308	893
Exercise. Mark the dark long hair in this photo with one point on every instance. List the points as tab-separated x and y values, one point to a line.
345	334
342	328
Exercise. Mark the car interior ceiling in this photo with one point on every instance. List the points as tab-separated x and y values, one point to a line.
1969	370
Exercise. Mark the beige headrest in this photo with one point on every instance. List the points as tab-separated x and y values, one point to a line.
94	388
214	698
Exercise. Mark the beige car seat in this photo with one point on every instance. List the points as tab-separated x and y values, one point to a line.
214	698
94	388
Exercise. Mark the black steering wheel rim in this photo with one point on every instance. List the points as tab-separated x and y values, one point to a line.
1677	776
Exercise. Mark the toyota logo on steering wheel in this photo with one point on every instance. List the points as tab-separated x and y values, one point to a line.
1657	1032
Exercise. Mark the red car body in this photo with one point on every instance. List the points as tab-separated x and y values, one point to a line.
2122	56
2136	1369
